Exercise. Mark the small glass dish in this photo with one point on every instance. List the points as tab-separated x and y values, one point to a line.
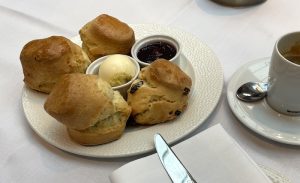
167	42
93	68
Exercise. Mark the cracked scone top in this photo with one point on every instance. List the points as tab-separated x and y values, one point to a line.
160	93
106	35
45	60
92	112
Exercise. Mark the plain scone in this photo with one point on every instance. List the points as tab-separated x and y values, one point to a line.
92	112
45	60
106	35
159	94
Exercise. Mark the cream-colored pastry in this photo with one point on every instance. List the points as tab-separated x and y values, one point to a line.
44	61
106	130
106	35
92	112
160	93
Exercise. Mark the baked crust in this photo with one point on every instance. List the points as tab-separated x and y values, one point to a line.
106	130
164	73
106	35
45	60
92	112
79	101
160	93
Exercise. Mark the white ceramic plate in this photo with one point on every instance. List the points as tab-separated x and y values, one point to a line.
258	116
198	61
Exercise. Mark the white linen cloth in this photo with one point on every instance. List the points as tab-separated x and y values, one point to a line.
236	35
211	156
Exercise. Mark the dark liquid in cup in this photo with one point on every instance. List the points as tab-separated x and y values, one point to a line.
293	58
293	54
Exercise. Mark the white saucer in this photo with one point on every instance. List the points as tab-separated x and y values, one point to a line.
258	116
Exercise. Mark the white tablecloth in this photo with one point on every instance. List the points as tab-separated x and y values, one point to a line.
236	35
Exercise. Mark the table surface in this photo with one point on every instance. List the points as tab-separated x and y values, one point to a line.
236	35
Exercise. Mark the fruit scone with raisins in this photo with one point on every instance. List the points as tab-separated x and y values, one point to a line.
159	94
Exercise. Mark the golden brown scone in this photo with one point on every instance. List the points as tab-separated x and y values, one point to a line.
160	93
106	35
45	60
92	112
79	101
106	130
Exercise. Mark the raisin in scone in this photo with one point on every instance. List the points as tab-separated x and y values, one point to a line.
159	94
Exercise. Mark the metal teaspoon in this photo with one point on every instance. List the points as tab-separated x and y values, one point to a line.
252	91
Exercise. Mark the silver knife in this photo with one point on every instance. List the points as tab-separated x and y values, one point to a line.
175	169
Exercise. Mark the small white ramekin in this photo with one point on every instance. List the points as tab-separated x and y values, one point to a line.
152	39
93	68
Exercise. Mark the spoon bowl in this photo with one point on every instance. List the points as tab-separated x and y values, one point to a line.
252	91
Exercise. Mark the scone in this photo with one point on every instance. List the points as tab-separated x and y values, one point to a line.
106	35
159	94
45	60
92	112
107	129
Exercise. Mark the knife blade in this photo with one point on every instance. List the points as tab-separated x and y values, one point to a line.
172	165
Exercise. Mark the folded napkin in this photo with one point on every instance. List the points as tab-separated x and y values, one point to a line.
211	156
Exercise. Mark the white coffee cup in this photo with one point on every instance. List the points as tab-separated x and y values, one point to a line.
284	76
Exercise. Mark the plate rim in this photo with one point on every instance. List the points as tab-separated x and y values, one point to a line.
203	119
231	99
